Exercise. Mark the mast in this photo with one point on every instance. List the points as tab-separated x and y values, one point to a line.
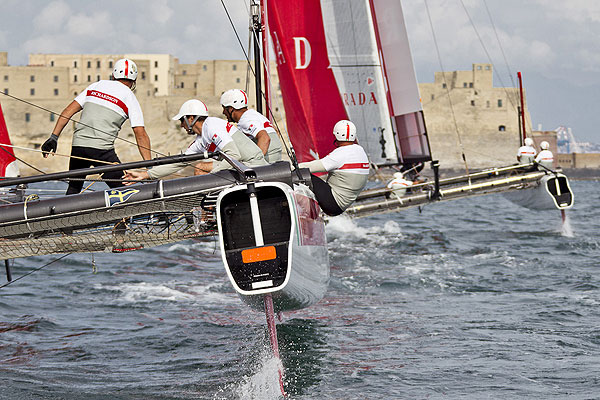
256	28
522	106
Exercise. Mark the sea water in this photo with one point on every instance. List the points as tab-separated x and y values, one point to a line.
473	298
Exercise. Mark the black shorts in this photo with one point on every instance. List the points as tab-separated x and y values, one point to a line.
94	158
322	192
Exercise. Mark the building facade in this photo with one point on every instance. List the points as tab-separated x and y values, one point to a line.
464	112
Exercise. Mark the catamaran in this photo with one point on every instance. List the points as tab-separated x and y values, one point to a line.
335	60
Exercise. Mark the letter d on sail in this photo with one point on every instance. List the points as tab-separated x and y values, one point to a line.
299	43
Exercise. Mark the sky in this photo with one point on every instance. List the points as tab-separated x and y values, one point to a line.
554	44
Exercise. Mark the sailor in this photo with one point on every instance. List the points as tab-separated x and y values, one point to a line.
106	105
348	168
251	123
212	134
545	158
399	184
526	153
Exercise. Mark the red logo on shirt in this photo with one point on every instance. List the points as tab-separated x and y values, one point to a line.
268	125
107	97
228	126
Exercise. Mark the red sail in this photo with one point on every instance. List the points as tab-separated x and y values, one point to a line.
311	98
7	155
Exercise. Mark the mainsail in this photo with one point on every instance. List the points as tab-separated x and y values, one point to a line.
348	59
8	162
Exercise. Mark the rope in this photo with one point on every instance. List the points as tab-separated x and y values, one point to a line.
290	151
437	49
88	126
34	270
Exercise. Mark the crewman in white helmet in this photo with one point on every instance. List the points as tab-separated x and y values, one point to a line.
526	153
212	134
545	158
106	105
348	168
251	123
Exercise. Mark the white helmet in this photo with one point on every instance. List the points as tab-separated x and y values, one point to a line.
344	131
235	98
192	107
528	142
125	69
544	145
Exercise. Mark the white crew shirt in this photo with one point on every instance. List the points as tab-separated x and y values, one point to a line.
251	123
348	168
526	154
106	106
546	159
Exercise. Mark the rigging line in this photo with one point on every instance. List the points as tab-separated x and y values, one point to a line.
508	96
76	122
504	56
20	159
289	153
34	270
437	49
189	164
499	44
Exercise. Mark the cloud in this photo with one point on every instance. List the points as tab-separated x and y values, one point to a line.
160	11
98	25
52	17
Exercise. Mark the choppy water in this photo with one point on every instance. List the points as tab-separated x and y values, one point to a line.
474	298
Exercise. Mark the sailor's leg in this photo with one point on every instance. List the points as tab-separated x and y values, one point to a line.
75	186
322	192
109	156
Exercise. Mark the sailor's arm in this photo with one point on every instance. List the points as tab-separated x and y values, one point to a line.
314	166
64	117
263	141
143	142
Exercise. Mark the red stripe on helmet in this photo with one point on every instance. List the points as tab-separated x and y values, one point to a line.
348	132
245	98
126	68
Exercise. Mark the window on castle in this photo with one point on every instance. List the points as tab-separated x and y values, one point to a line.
55	78
52	63
443	86
89	64
52	117
27	117
32	92
470	84
32	78
74	64
234	67
56	92
98	64
501	128
499	102
473	102
464	84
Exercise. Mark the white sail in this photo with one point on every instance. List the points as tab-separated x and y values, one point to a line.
355	62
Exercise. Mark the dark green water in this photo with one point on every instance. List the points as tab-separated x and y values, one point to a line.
474	298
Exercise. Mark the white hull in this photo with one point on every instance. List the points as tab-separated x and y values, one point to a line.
294	269
551	192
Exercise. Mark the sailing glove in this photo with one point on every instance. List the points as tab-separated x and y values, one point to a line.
50	145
